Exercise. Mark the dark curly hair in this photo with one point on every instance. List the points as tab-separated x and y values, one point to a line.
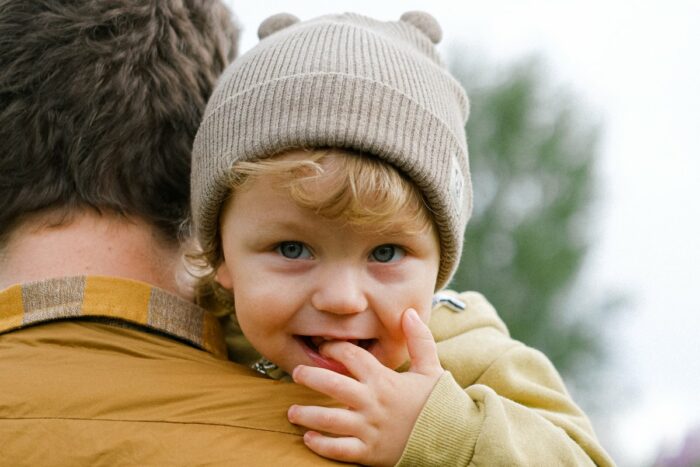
100	101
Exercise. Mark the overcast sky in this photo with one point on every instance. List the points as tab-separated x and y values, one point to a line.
636	65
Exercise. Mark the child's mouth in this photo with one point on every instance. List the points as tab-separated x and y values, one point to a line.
312	344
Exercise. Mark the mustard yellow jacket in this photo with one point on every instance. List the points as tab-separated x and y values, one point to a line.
102	371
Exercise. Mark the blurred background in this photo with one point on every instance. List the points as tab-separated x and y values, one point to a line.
584	146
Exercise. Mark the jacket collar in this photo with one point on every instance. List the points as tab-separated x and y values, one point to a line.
110	299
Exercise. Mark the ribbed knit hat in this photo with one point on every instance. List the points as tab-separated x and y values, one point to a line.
344	81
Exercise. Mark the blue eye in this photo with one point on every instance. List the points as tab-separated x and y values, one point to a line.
293	250
388	253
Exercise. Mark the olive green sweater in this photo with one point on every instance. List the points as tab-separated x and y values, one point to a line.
501	403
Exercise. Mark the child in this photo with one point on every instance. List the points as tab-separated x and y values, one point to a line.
330	193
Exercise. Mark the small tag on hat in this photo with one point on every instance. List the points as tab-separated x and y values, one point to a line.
457	183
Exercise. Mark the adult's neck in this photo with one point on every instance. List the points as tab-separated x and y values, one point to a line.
89	244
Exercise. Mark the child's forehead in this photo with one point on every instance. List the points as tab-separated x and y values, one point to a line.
265	194
353	189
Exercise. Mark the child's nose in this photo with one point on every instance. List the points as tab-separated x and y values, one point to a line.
340	291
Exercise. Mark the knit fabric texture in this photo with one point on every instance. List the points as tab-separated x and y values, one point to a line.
342	81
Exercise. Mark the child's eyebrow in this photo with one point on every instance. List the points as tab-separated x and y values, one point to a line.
395	233
292	228
276	226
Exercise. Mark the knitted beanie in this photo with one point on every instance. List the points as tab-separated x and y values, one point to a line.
343	81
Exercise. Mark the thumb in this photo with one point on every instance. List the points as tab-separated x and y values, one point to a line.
421	345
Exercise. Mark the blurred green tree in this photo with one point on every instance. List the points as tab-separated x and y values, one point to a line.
533	151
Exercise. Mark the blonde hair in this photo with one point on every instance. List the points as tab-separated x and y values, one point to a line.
361	190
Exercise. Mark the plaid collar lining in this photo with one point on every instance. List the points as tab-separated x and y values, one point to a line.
114	298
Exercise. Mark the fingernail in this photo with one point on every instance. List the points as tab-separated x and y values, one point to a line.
413	314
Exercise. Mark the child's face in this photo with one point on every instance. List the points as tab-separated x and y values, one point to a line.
299	279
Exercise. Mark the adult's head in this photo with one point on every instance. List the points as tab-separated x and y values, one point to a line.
99	104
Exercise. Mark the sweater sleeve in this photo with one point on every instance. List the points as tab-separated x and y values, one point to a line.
499	402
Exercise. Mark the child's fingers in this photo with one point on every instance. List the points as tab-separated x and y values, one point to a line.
342	449
421	345
342	388
360	363
340	422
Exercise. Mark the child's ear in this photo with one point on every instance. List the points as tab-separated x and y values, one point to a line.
223	276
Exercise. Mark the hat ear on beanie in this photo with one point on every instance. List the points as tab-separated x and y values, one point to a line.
344	81
425	23
274	23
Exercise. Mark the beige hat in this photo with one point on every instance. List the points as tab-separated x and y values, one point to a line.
344	81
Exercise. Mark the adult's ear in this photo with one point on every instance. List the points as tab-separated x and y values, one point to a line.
223	276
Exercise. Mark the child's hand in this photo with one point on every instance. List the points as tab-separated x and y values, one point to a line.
383	405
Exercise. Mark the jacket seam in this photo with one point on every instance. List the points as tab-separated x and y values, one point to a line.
170	422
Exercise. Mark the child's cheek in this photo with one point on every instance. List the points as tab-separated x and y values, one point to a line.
424	314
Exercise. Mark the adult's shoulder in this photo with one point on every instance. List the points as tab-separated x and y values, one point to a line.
83	391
